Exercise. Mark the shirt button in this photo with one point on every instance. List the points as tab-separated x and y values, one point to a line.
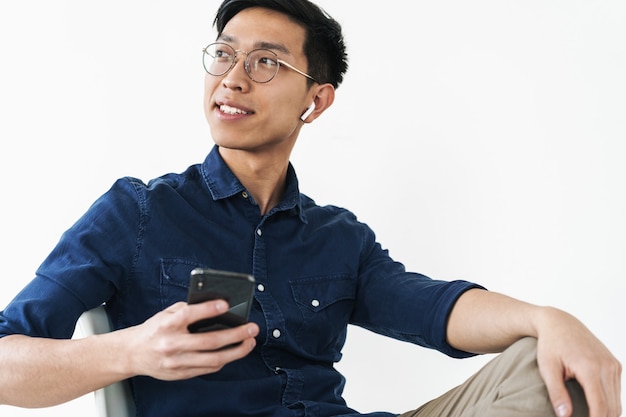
244	194
315	303
259	232
261	287
276	333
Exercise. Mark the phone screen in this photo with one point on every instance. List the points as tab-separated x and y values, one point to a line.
210	284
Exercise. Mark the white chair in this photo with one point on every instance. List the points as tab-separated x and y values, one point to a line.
116	400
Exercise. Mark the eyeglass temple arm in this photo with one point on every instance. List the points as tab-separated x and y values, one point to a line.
291	67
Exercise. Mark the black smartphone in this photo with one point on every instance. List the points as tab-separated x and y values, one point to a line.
211	284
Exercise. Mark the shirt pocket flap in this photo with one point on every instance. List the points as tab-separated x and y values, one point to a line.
317	294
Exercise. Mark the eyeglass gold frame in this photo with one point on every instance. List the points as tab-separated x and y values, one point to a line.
247	64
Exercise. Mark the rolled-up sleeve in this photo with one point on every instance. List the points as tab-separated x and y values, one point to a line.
404	305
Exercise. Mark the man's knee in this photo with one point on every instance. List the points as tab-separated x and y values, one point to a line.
522	356
527	346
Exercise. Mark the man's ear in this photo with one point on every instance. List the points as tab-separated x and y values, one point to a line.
323	99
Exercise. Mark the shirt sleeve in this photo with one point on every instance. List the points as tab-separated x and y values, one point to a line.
85	269
404	305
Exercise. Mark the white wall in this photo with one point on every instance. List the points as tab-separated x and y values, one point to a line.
482	140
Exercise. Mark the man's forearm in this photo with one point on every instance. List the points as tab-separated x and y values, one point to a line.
487	322
38	372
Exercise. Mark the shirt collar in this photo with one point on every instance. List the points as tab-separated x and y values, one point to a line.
222	183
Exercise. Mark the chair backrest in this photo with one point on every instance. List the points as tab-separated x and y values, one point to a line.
115	400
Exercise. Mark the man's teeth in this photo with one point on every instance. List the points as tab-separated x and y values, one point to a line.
231	110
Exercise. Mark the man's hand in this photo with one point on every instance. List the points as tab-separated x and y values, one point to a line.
163	348
41	372
566	350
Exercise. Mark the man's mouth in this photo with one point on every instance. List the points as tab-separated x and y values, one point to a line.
232	110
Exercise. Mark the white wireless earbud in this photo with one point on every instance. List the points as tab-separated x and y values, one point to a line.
307	112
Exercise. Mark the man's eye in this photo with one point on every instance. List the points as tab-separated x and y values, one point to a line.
222	55
267	62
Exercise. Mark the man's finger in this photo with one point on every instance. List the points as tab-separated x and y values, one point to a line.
195	312
559	396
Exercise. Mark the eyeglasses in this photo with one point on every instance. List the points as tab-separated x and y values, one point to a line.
261	65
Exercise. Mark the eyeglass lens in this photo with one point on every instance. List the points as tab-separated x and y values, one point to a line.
260	64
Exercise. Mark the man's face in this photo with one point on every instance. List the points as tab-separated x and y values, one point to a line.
251	116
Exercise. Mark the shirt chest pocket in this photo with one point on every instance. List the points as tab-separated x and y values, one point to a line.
175	280
326	306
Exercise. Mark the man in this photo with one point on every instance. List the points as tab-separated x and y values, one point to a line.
275	66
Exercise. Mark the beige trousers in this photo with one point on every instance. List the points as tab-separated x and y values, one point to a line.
508	386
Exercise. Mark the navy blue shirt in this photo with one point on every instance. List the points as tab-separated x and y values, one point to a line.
317	269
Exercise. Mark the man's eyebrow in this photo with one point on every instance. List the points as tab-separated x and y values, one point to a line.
259	44
272	46
226	38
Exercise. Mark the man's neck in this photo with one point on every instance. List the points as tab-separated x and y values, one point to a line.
264	177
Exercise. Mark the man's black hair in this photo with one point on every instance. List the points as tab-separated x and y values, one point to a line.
324	46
